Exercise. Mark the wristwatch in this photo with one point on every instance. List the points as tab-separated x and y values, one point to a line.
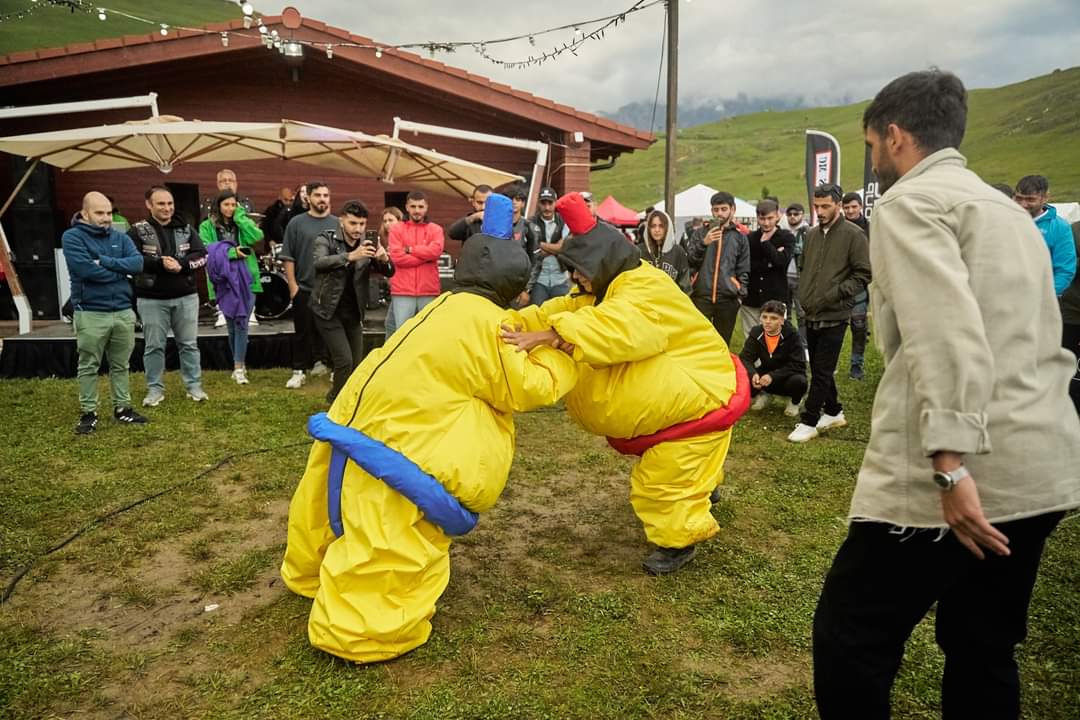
947	480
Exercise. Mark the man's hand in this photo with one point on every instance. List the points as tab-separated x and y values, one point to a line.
293	289
765	380
523	299
476	216
964	514
526	341
381	254
552	248
170	264
715	233
755	381
360	252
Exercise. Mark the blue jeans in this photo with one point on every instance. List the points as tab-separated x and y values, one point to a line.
181	315
238	338
540	294
403	307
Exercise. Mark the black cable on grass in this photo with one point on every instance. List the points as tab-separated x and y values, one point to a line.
113	513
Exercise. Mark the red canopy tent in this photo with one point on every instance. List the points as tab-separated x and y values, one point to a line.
616	213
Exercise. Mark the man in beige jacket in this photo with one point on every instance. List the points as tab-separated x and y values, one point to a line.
974	452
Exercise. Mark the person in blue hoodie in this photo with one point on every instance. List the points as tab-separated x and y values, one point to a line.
1032	194
100	260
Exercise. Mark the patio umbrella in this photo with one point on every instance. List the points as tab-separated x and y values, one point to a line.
386	158
162	142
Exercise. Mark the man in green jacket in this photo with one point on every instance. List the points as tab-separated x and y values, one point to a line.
836	268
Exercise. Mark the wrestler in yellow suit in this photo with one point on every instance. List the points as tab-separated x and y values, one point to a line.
442	392
648	361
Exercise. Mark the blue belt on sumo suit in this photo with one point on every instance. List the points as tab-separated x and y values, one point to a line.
393	468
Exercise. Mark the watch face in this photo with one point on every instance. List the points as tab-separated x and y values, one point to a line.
943	480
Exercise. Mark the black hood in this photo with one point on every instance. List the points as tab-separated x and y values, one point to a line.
600	255
492	268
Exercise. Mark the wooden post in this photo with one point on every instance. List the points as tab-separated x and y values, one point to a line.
672	106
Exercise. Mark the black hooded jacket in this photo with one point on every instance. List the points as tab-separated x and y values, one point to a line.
600	255
492	268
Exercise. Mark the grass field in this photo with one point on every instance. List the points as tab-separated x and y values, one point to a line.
55	25
1023	129
547	614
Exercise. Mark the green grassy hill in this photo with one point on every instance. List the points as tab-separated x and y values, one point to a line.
53	25
1016	130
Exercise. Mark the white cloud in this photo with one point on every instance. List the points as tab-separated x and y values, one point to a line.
823	51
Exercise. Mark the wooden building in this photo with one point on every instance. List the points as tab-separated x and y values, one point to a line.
197	76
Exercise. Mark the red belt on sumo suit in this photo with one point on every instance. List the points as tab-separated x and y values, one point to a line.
714	421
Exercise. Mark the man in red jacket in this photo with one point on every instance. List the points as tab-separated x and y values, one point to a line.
415	247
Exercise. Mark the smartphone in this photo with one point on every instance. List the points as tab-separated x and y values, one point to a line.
371	237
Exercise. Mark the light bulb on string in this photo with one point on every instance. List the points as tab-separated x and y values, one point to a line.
164	30
247	22
378	52
101	15
329	52
225	39
247	8
262	29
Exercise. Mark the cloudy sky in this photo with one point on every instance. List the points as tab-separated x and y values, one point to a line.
823	51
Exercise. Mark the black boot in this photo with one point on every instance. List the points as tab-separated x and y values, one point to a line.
664	561
714	496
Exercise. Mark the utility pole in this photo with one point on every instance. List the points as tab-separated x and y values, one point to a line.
672	104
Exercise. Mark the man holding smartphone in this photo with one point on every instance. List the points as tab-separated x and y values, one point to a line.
342	261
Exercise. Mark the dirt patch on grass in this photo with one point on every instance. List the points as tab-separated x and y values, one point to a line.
747	679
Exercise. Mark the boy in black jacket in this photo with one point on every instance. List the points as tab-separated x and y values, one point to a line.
776	355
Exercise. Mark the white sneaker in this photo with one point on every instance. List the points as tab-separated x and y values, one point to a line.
828	422
240	376
802	433
153	398
253	320
198	395
760	402
792	409
319	369
297	380
220	322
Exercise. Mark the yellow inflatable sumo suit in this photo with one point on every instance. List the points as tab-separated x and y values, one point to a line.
650	365
439	398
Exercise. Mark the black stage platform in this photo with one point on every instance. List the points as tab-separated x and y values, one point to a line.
51	351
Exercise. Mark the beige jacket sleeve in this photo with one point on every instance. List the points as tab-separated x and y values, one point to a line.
920	270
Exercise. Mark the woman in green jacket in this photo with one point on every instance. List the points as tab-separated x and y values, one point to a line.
238	225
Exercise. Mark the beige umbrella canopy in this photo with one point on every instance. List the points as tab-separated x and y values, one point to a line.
162	143
166	142
386	158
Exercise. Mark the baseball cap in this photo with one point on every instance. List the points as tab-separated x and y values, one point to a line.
796	207
586	195
547	193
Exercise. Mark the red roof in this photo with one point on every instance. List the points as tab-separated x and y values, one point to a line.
101	55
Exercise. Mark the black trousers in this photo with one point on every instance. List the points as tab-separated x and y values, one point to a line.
884	581
344	338
303	331
792	386
1070	340
824	346
721	314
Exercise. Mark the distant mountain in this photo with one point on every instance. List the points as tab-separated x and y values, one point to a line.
699	112
1026	128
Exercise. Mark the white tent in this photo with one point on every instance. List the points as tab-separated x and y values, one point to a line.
695	202
1068	210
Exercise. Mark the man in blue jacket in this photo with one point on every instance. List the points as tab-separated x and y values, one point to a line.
1032	193
99	261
